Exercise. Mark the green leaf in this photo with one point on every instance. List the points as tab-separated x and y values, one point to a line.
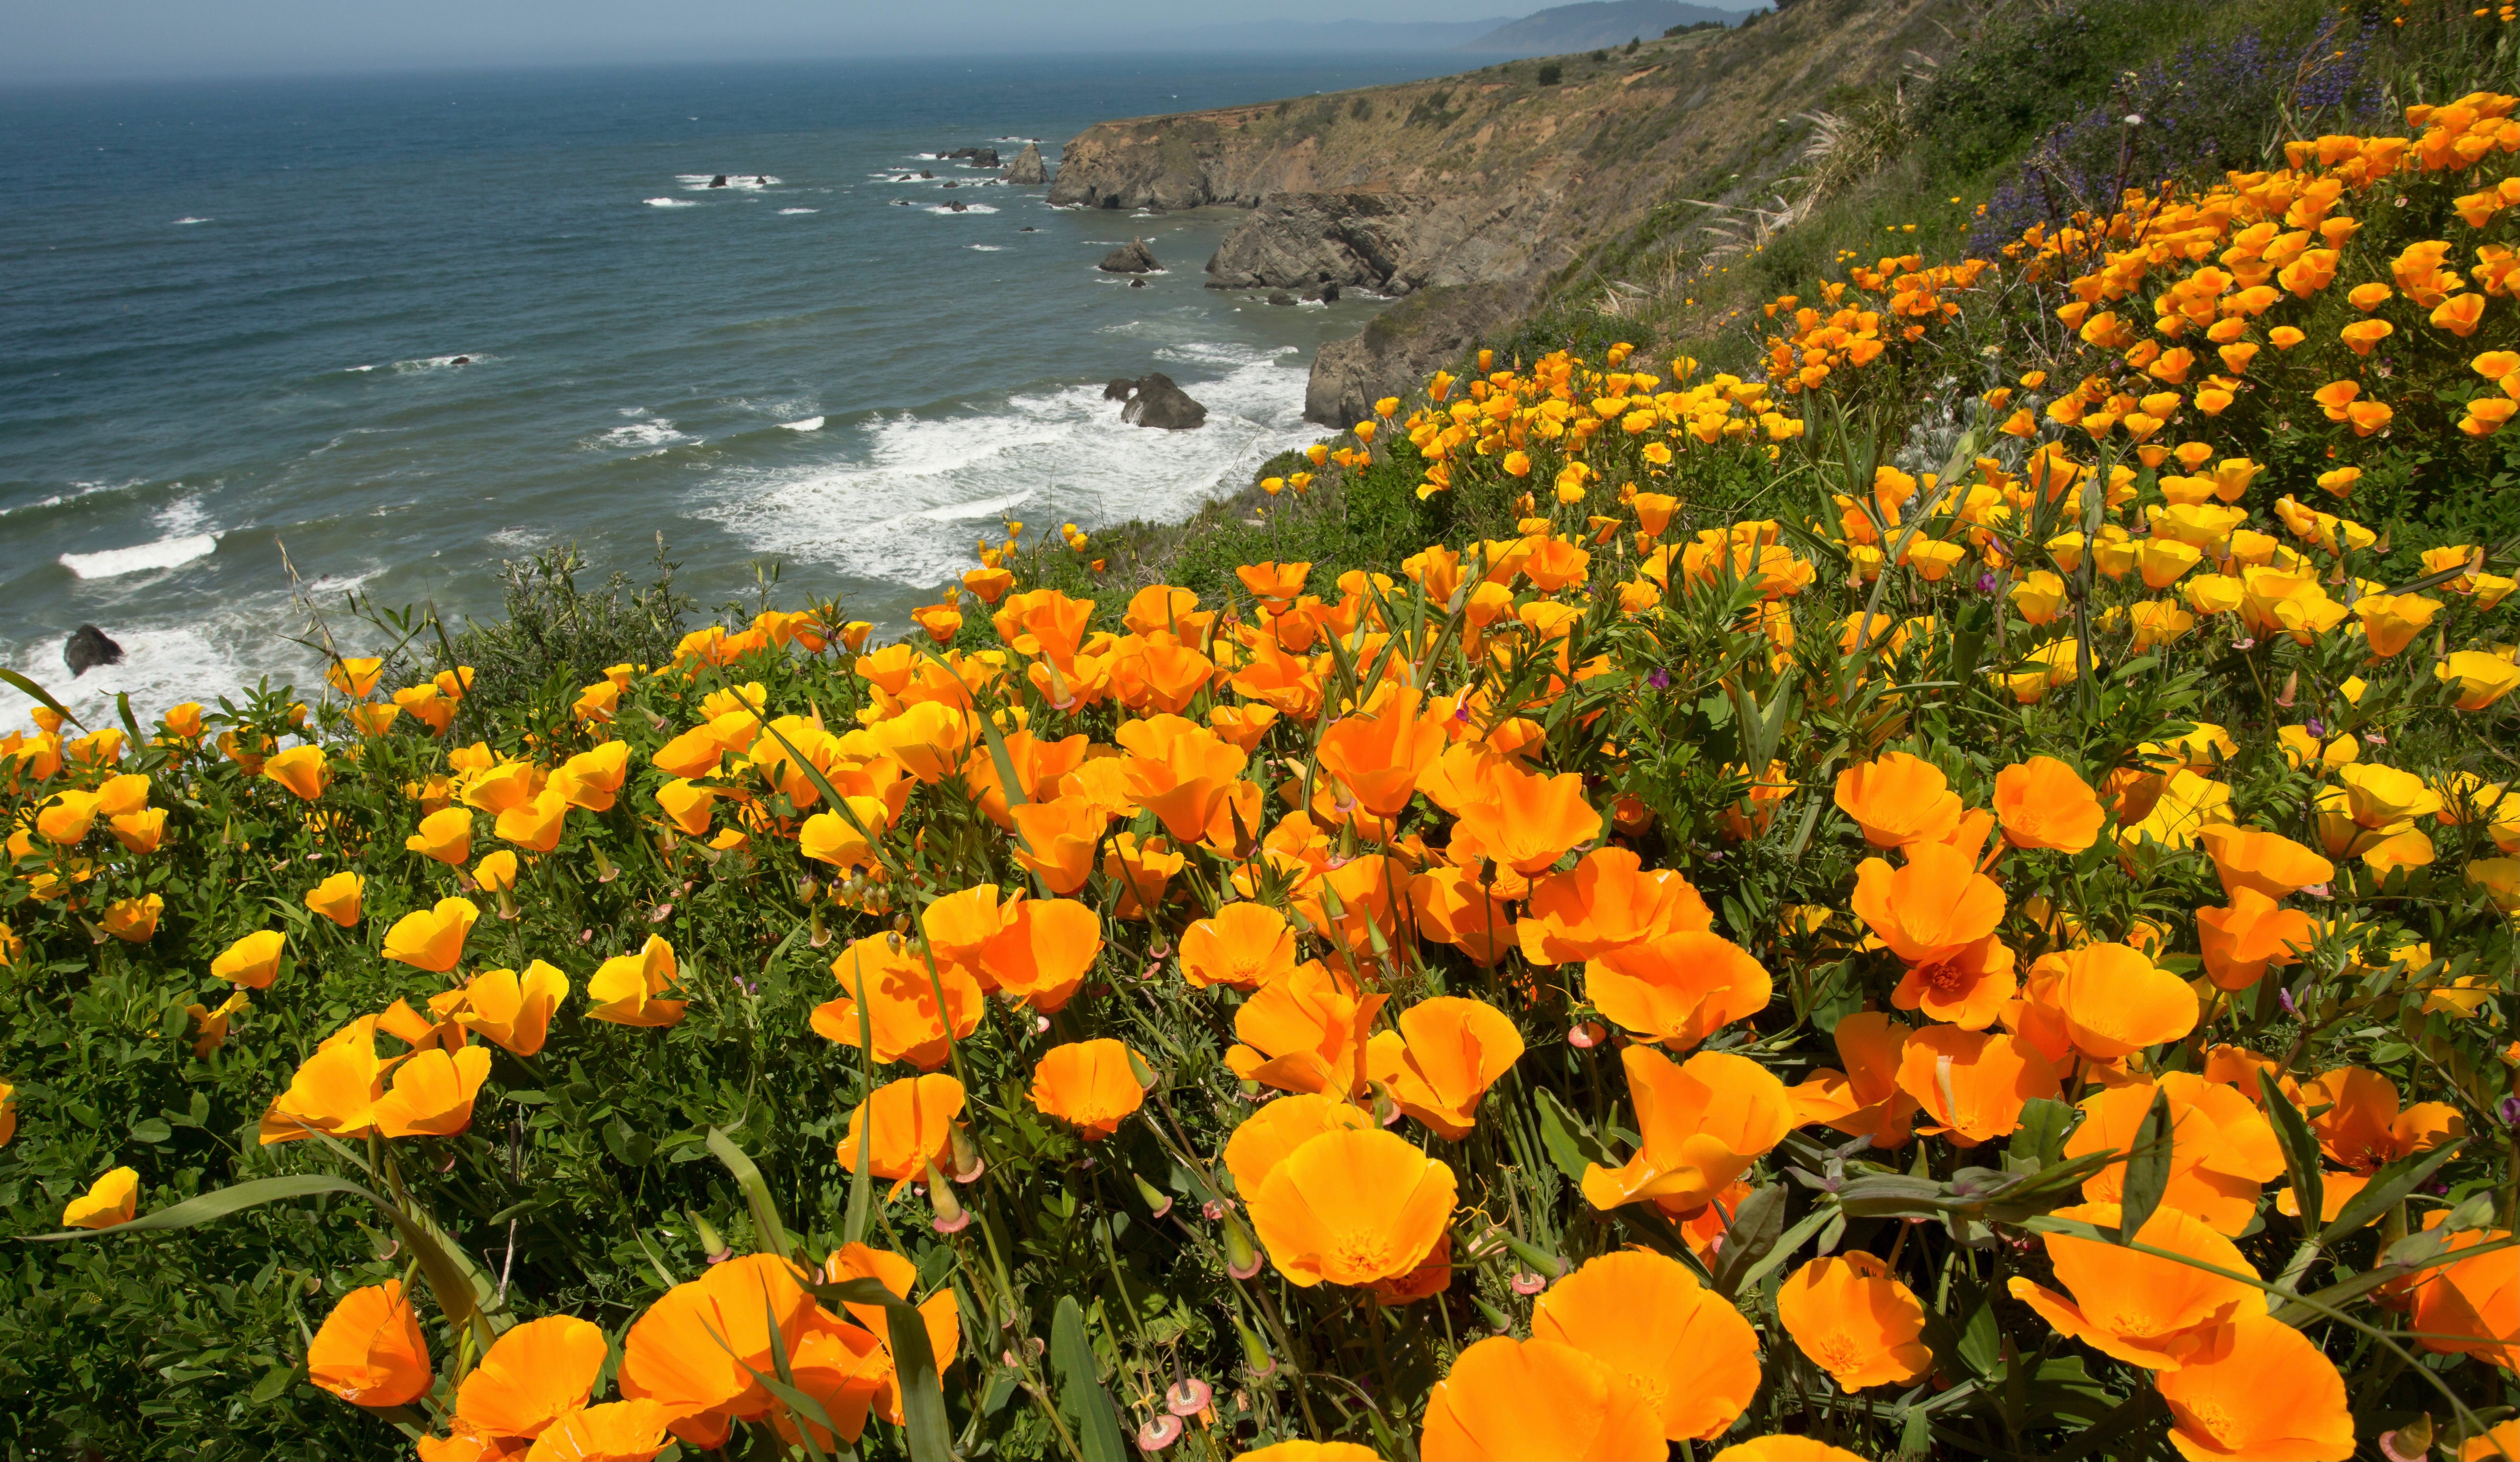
268	1389
1757	1224
2040	1140
1570	1143
922	1389
768	1232
2147	1169
2300	1150
1080	1387
30	687
2387	1189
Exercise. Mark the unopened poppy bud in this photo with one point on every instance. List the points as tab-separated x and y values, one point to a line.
807	887
968	1164
1158	1202
1159	1432
1241	1259
1144	1074
1496	1318
1535	1258
1256	1352
712	1243
1188	1397
951	1217
604	872
821	933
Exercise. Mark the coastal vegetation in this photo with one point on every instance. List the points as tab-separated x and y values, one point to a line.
1926	867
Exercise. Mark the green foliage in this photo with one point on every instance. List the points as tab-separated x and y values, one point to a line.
552	636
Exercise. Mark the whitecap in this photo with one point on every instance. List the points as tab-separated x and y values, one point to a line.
190	220
671	202
1061	454
456	362
809	424
656	434
990	248
745	182
965	209
165	553
356	370
783	212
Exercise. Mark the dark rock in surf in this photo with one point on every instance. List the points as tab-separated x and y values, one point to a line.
89	647
1027	170
1119	389
1154	400
1281	296
719	181
925	173
1135	259
1138	283
959	207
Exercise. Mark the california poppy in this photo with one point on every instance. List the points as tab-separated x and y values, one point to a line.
300	769
2137	1308
1305	1032
513	1010
1278	1128
901	1003
1090	1084
939	1315
1453	907
113	1198
211	1027
1446	1054
2041	802
1939	914
1972	1084
624	989
1854	1319
1483	1410
2263	1391
1608	902
134	921
445	836
1056	839
334	1091
700	1349
1377	752
535	826
1042	950
1530	821
1686	1351
531	1376
252	962
2470	1306
1678	989
1352	1208
2363	1126
592	780
2242	940
2267	864
1779	1448
369	1350
2115	1000
633	1430
1898	800
2222	1150
432	939
912	1127
1245	945
1703	1122
1863	1100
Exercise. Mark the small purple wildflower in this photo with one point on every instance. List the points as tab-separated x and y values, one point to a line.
2285	999
1986	583
2509	1110
1660	679
2316	727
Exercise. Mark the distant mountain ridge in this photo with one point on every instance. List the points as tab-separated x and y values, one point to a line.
1594	25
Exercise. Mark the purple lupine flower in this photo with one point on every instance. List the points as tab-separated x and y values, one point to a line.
2314	726
1660	679
2509	1110
1986	582
2285	999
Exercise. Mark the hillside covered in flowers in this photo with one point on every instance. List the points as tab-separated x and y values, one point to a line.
1948	890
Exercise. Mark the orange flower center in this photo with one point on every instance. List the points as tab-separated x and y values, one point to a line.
2209	1417
1838	1353
1362	1250
1945	977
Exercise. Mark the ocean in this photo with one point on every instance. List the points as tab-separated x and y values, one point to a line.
277	339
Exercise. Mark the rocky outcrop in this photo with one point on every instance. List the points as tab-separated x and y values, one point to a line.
1431	331
1154	400
972	157
88	648
1027	171
1134	257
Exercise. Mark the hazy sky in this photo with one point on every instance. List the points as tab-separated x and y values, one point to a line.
66	40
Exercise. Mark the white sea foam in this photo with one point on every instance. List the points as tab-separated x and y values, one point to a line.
78	490
809	424
164	664
456	362
190	220
1058	455
671	202
707	182
165	553
990	248
965	209
783	212
655	435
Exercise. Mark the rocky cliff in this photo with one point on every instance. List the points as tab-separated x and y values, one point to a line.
1487	186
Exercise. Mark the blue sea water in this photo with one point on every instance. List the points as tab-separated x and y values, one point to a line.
231	316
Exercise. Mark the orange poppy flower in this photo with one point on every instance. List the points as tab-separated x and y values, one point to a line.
432	939
1780	1448
939	1314
913	1128
2242	940
614	1432
1608	902
1352	1208
1703	1122
901	1003
1245	945
1278	1128
445	835
2043	802
2144	1310
2363	1128
1855	1320
113	1198
2472	1307
1678	989
1484	1409
1038	766
534	826
1453	907
1530	821
369	1350
433	1093
513	1010
1688	1352
2264	862
700	1349
1305	1032
2115	1000
1863	1100
592	780
1039	957
1446	1054
2222	1150
211	1027
1377	752
133	920
300	769
1933	909
1091	1084
334	1091
2264	1391
1899	799
1272	581
1058	839
1179	770
623	988
531	1376
1972	1084
252	962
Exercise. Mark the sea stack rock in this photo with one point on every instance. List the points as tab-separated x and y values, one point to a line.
89	645
1027	170
1135	259
1154	400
